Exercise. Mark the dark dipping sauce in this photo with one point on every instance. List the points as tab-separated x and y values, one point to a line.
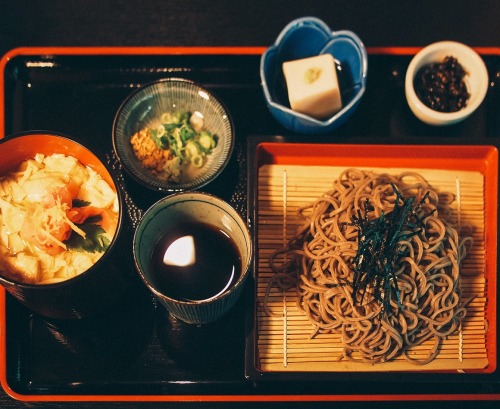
217	264
441	86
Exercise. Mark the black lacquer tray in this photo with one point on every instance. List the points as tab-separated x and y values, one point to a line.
137	351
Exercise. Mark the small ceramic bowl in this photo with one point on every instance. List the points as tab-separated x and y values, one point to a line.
308	37
476	81
99	286
192	301
144	109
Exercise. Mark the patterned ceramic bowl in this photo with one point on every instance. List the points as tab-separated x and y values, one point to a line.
193	252
169	158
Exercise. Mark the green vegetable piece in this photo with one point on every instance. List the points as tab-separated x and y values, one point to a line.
182	139
160	141
187	133
80	203
206	141
197	161
170	126
184	117
191	149
95	240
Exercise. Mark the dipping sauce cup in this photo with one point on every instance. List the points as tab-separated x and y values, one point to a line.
193	252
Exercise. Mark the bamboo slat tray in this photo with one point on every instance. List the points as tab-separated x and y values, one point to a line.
288	178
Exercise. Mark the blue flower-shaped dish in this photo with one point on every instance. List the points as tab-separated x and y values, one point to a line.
307	37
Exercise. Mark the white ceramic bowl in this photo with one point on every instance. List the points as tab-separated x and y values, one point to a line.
476	81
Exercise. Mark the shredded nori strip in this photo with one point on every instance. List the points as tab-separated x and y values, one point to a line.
379	249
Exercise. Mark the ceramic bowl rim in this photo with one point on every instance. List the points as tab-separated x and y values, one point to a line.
119	227
172	188
244	273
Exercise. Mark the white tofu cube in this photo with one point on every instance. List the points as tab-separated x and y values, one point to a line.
313	87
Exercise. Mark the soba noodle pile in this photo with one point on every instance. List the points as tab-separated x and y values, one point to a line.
425	299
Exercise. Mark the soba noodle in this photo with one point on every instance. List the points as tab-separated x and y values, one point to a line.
425	300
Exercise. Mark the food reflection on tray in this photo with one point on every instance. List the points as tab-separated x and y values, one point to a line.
371	268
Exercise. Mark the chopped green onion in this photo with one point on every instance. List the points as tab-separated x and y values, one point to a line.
197	160
177	134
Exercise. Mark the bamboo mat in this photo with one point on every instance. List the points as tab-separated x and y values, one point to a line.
283	339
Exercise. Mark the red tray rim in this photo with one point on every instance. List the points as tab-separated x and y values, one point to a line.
194	50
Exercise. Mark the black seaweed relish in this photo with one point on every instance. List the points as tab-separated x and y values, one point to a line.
441	86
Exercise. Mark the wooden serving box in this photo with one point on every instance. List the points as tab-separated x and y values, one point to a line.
290	176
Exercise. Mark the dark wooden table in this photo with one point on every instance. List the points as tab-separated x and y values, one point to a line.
30	23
